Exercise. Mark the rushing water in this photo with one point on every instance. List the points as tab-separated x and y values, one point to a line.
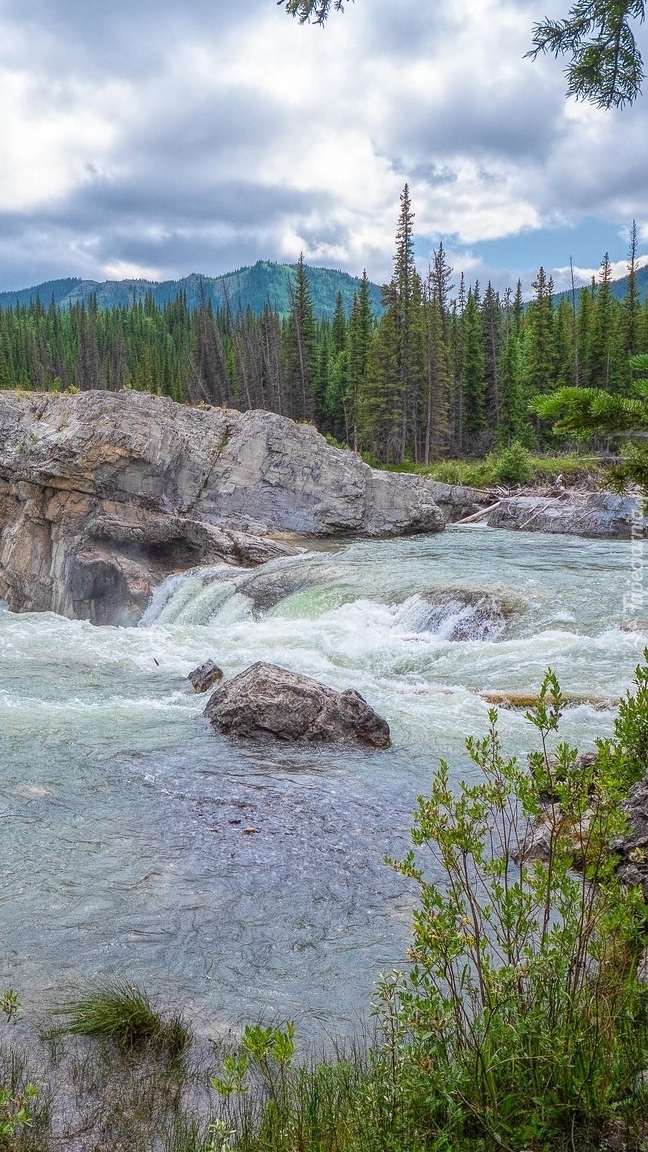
125	820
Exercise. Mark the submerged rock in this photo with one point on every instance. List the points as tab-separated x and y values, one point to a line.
204	678
456	613
594	514
103	495
268	701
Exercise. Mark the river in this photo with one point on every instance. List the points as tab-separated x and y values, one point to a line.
126	822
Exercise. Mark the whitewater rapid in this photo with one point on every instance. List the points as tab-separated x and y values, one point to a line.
124	818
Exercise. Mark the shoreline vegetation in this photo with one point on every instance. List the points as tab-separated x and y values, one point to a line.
519	1023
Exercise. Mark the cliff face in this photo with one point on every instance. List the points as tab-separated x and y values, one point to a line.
103	494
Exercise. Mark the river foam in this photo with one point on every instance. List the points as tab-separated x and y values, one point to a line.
124	817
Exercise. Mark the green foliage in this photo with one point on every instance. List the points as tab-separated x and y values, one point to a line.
16	1100
521	1021
123	1013
15	1114
604	65
522	467
513	465
315	10
589	412
9	1005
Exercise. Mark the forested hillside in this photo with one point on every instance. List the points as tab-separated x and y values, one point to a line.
264	283
448	369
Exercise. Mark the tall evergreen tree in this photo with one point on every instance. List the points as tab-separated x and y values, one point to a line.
360	334
491	329
511	421
300	348
473	374
632	299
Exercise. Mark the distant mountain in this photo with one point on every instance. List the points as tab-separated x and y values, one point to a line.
618	287
246	288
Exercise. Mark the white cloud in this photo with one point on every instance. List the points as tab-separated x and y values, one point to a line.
166	137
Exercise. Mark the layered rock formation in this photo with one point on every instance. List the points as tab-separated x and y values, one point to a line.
268	701
104	494
595	514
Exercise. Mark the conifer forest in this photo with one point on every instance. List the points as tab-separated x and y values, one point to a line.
448	370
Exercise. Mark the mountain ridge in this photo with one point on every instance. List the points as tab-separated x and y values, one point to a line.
251	286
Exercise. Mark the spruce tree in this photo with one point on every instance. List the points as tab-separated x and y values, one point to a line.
540	365
607	364
491	329
511	420
632	299
473	375
300	348
360	334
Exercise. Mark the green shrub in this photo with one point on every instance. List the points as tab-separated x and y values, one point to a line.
123	1013
522	1022
513	465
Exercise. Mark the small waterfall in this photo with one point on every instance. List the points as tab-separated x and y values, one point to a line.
453	614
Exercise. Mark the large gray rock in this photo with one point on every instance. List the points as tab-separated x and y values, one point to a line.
593	514
104	494
267	701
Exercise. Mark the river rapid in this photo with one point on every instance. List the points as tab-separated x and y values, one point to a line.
126	842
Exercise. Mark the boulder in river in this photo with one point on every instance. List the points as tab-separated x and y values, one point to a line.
268	701
204	677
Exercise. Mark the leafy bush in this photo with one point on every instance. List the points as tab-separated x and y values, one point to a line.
522	1021
513	465
123	1013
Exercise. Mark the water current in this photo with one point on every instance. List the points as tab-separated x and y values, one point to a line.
125	822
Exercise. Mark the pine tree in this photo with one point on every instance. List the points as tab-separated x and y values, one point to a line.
360	334
300	348
540	367
491	328
563	350
473	374
511	421
607	363
584	332
380	402
408	327
632	300
437	371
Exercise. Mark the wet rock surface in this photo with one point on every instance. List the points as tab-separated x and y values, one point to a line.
204	677
268	701
471	614
104	494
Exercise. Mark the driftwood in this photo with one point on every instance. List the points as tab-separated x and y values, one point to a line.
478	515
530	699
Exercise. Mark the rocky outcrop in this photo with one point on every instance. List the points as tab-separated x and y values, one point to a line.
267	701
592	514
104	494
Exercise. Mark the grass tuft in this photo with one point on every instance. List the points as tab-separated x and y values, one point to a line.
123	1013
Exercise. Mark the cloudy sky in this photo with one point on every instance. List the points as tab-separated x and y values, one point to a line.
159	137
